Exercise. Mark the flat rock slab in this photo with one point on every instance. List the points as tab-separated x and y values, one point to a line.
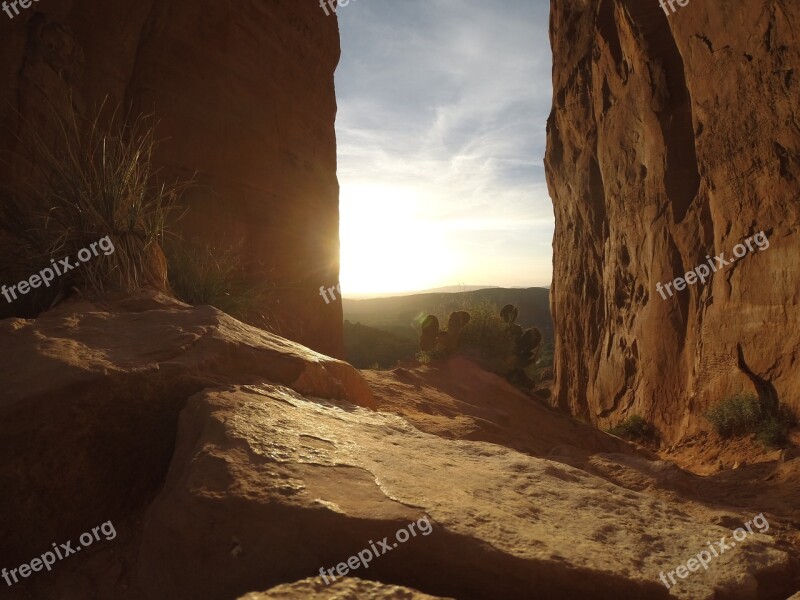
349	588
268	486
457	399
90	399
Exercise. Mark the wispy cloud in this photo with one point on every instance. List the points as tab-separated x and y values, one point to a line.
447	100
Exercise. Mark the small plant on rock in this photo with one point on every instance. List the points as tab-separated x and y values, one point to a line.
486	337
451	338
634	428
218	275
743	414
430	333
89	179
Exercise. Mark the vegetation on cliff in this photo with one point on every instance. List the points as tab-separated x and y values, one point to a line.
745	414
91	181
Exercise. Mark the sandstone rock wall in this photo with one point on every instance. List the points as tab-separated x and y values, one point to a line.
245	98
671	140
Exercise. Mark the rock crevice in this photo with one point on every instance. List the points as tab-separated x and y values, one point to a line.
672	140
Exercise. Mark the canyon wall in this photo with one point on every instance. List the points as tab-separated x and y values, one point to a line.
245	101
672	139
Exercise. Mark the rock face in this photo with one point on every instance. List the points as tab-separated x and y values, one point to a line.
348	588
450	401
90	404
231	461
673	139
245	100
269	485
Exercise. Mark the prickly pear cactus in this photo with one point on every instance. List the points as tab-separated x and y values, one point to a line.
525	348
537	336
430	333
458	320
509	313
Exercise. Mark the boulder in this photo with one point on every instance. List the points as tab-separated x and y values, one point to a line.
353	588
268	486
91	397
457	399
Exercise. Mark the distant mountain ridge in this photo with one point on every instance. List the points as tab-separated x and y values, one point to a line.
448	289
399	313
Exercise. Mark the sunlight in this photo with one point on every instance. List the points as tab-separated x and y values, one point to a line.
388	245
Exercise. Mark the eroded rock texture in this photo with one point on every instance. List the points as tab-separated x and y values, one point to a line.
341	589
671	140
245	99
269	485
90	402
231	461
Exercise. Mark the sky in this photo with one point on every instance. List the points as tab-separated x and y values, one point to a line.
442	109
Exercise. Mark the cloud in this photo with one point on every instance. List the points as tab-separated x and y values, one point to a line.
448	99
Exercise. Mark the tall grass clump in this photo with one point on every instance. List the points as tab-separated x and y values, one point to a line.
744	414
217	275
88	181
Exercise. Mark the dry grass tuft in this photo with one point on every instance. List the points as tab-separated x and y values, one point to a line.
89	182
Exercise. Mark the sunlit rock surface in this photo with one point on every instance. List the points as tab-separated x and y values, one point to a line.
232	461
91	395
671	140
344	589
457	399
268	485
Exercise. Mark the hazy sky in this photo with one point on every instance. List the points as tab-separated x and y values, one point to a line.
441	136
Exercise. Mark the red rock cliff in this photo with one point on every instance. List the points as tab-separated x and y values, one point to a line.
245	98
674	138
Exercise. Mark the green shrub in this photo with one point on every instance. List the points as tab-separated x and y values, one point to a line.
634	428
428	356
772	433
487	335
491	335
744	414
543	367
202	273
774	429
738	415
88	182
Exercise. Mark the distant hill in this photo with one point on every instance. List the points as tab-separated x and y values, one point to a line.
366	347
398	314
449	289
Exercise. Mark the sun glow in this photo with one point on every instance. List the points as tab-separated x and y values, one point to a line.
388	243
